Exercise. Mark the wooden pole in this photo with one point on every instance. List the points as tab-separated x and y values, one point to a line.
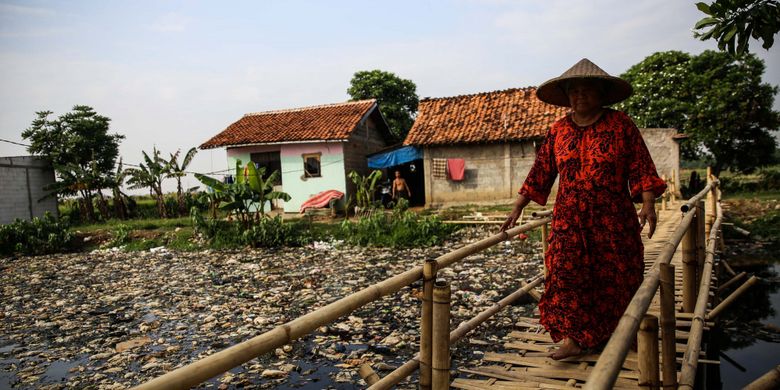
456	335
665	194
701	240
691	203
710	210
222	361
608	366
441	336
768	381
690	265
691	356
732	297
731	281
675	184
429	275
544	248
647	352
668	327
543	213
368	374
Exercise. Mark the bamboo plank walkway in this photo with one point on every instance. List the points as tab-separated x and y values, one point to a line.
522	364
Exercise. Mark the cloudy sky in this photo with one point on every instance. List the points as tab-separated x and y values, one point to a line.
172	74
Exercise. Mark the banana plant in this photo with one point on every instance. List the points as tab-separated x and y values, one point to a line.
249	189
365	188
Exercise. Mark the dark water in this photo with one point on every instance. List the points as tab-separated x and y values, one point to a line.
748	337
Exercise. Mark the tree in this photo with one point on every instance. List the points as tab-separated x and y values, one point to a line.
150	174
397	97
732	22
717	100
178	171
80	148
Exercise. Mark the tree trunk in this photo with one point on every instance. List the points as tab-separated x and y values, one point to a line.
120	208
180	198
103	206
160	201
89	210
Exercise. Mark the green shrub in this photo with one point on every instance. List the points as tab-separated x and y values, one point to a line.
35	237
119	236
402	228
274	232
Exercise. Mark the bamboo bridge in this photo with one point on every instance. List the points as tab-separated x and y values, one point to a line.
666	320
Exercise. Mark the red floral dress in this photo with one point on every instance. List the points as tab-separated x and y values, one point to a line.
594	262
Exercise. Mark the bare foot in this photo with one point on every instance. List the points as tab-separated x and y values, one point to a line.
568	349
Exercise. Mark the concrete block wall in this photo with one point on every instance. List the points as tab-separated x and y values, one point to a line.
495	172
22	180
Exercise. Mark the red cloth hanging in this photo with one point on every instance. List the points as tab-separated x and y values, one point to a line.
456	168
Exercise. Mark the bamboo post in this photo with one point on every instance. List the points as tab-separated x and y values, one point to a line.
668	327
732	297
701	240
368	374
675	184
691	357
710	209
768	381
690	265
429	275
647	352
456	335
731	281
544	248
665	194
440	362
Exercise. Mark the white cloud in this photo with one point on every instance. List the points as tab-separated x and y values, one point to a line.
171	22
18	10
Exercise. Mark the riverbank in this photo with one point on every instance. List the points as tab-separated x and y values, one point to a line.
113	319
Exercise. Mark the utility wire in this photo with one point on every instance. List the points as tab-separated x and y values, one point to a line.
12	142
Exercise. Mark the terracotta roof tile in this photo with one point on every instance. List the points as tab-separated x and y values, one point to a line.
328	122
511	114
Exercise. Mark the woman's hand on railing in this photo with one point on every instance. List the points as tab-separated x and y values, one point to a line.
647	213
511	219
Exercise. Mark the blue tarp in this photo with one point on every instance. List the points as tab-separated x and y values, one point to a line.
395	157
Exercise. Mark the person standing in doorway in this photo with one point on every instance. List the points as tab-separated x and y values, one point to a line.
400	187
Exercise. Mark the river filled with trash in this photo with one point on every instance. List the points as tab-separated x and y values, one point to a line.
110	319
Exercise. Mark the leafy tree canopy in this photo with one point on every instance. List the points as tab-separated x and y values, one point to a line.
717	100
733	22
397	97
78	138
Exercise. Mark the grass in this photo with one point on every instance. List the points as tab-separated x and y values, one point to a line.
136	224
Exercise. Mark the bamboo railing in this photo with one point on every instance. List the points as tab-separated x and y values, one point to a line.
607	368
222	361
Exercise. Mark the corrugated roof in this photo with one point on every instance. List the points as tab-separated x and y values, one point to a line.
511	114
329	122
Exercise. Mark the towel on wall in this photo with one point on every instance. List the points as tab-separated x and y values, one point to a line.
439	168
456	167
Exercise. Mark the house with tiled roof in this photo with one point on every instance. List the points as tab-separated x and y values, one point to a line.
495	134
480	147
313	147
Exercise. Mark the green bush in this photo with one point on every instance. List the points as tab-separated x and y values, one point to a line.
402	228
274	232
265	233
766	179
35	237
119	236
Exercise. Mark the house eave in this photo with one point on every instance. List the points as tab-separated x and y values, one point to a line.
276	143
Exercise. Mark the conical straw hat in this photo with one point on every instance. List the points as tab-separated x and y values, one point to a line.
552	91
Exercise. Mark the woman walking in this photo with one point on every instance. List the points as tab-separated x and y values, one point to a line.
595	260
